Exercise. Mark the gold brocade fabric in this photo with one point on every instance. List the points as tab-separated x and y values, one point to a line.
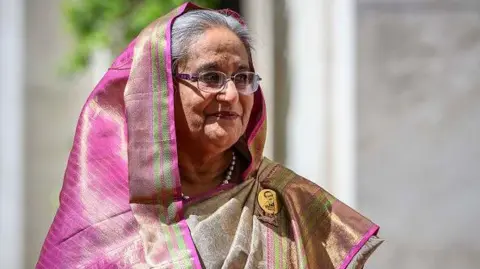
312	229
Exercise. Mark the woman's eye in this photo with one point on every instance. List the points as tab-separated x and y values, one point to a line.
241	78
210	78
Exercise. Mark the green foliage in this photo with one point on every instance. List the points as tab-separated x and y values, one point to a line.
111	24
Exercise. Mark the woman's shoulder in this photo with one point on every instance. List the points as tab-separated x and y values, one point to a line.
275	175
321	217
302	192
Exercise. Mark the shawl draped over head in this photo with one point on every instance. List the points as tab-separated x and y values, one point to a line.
121	204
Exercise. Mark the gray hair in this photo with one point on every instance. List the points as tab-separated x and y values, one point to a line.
188	27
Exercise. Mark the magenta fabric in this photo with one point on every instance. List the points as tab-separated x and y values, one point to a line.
120	203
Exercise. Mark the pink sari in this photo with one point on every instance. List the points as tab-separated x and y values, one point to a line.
121	204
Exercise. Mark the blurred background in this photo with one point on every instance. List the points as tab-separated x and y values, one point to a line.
376	100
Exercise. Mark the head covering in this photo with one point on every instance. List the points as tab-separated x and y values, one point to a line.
122	178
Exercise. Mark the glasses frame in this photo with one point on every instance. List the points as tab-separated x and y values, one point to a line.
196	78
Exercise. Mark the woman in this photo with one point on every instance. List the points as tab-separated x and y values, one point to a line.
167	170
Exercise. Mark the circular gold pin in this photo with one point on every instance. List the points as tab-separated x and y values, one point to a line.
268	201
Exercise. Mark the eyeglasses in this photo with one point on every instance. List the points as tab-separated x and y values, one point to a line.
215	81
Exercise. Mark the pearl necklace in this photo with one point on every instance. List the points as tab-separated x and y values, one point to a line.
228	177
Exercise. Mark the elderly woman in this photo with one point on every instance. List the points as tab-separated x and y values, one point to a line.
167	171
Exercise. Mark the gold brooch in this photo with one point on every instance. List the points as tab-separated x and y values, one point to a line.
268	201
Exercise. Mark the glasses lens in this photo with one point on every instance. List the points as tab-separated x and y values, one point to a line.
246	82
242	80
211	81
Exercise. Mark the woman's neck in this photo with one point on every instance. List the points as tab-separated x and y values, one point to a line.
201	173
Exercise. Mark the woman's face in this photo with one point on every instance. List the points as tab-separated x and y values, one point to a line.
212	121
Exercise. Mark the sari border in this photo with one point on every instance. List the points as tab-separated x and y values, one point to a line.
372	231
184	229
260	123
170	95
254	133
189	242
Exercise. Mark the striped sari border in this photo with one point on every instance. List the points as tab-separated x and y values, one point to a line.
372	231
171	107
302	258
181	229
260	123
277	251
158	150
190	245
282	262
280	245
269	248
256	130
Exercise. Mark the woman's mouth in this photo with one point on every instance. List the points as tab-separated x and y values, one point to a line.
227	115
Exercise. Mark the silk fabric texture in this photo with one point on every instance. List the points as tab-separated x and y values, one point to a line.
121	204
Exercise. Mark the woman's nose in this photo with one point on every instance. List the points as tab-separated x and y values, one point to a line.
229	93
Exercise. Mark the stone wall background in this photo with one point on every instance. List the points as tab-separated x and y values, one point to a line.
419	130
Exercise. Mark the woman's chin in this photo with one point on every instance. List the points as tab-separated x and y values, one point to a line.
221	138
